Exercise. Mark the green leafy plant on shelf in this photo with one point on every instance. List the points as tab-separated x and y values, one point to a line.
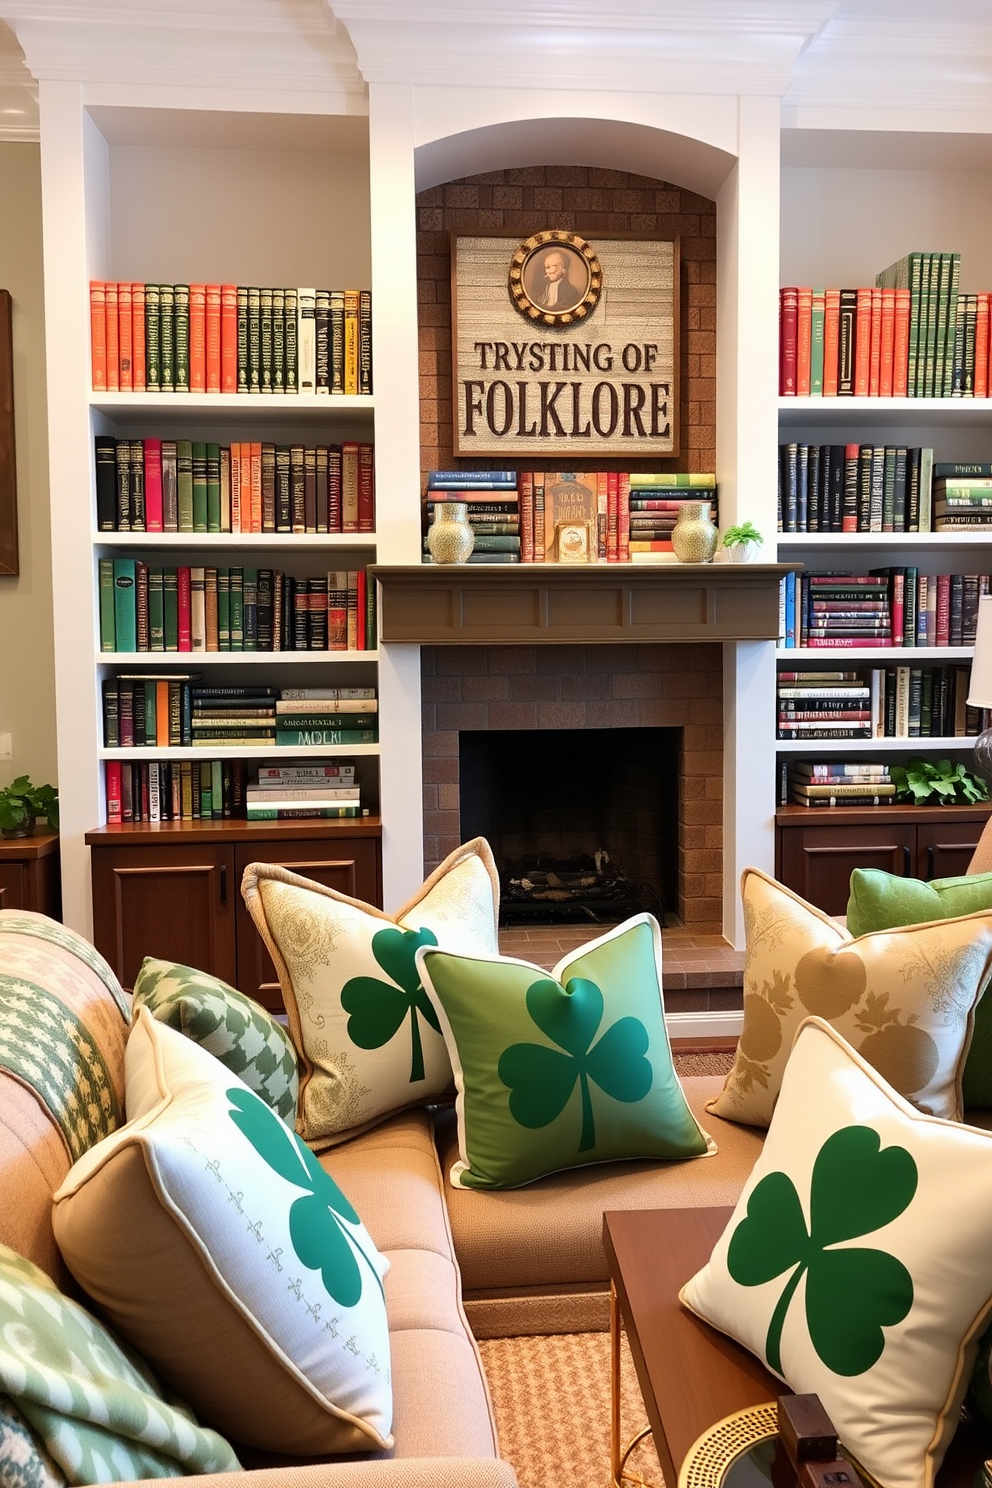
937	783
744	532
21	803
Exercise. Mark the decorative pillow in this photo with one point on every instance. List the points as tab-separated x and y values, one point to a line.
884	901
24	1463
230	1026
368	1037
904	998
856	1263
557	1071
210	1234
98	1412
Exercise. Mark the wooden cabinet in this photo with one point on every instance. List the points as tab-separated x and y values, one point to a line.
174	890
816	851
29	873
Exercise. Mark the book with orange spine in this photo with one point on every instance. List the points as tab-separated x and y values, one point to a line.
875	345
211	337
982	308
113	339
161	713
124	337
831	340
229	338
256	487
900	344
862	342
198	338
351	341
236	487
138	337
623	517
887	342
98	336
804	339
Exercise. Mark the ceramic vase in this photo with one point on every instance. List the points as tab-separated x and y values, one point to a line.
744	552
694	537
450	538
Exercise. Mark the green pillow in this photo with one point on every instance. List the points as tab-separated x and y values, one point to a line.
884	901
230	1026
96	1408
555	1071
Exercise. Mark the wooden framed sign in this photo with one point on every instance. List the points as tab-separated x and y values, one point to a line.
563	346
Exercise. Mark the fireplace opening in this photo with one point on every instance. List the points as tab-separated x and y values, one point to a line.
583	823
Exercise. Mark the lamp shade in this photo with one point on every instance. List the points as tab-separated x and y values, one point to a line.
980	688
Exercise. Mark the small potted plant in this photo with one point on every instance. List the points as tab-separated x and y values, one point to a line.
21	803
742	542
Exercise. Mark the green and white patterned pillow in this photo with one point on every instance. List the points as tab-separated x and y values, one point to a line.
856	1263
24	1463
97	1410
556	1071
231	1027
216	1244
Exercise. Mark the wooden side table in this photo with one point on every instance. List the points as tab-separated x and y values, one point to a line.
30	873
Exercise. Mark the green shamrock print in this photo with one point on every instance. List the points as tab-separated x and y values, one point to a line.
378	1009
851	1294
315	1221
541	1080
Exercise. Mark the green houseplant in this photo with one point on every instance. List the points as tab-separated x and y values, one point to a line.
21	803
742	542
937	783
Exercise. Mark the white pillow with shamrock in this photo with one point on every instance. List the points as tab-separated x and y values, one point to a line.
856	1264
215	1243
369	1039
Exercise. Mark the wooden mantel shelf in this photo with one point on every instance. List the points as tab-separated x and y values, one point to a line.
496	604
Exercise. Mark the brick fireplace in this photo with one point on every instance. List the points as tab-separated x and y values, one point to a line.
569	687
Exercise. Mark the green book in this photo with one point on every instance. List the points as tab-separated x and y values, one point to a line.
242	338
265	338
125	616
167	336
156	609
290	369
153	340
254	340
184	484
278	340
223	609
329	719
249	608
108	623
181	314
951	323
213	488
300	812
199	463
237	609
297	738
816	346
217	787
170	608
151	713
206	792
933	311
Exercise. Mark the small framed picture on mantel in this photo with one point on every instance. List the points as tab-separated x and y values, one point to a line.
8	481
564	346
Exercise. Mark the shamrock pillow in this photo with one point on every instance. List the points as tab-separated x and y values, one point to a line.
208	1233
905	998
77	1407
368	1037
230	1026
856	1263
555	1071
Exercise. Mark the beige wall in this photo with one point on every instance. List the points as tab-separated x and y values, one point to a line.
27	675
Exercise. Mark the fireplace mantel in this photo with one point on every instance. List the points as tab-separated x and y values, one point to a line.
494	604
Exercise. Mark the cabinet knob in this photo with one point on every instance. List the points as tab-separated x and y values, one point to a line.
907	861
929	861
223	883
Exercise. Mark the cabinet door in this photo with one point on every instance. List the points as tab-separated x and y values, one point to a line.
944	850
14	886
352	865
176	902
817	862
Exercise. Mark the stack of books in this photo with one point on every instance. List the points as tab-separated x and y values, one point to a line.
839	609
298	792
147	710
854	488
232	715
962	498
493	510
655	503
175	790
823	705
191	485
839	784
229	338
326	715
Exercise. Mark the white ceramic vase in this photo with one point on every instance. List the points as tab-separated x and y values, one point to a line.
745	552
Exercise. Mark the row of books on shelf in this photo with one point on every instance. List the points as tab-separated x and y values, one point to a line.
218	790
879	488
229	338
892	702
191	485
189	608
807	783
913	334
885	607
519	516
163	710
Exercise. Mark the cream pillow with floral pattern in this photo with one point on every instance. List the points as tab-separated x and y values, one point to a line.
367	1034
904	999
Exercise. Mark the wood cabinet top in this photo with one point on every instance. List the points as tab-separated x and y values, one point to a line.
163	834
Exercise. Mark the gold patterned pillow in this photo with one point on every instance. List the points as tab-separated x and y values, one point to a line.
905	999
368	1036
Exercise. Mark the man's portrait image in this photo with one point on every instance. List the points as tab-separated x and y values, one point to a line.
555	278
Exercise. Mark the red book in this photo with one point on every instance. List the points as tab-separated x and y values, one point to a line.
788	341
623	517
98	335
185	617
849	510
228	338
602	507
366	489
887	343
360	629
153	484
897	605
113	340
900	345
138	337
211	336
124	315
804	340
984	300
334	488
943	626
113	779
612	516
525	486
831	340
862	343
198	338
845	642
875	349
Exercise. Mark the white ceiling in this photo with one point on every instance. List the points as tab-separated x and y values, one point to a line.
832	62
